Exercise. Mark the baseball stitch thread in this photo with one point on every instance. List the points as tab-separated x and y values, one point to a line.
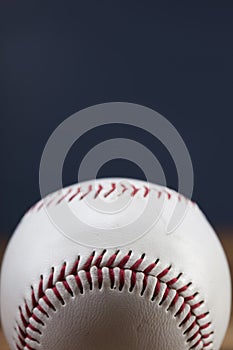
198	332
82	193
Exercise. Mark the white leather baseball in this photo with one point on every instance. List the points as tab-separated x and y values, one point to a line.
114	280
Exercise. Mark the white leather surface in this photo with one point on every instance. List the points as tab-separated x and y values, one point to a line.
109	318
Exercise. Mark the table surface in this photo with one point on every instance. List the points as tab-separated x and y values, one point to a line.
227	240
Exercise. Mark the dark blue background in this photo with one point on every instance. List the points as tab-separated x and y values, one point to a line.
59	57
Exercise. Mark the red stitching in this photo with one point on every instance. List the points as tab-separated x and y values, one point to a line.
147	191
95	261
98	191
58	198
135	190
74	195
51	200
110	191
64	196
124	188
88	191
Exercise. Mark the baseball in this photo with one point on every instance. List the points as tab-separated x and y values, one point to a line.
115	264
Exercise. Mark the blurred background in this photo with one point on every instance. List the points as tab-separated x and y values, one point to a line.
59	57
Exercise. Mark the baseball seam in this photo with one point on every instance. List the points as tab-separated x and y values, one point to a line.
80	193
178	298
